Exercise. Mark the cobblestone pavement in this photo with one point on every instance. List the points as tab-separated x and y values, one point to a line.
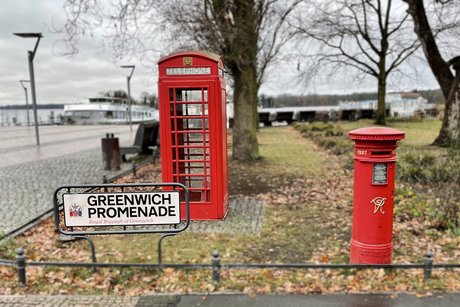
30	174
244	216
68	301
242	300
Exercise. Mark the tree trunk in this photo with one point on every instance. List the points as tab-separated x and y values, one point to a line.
449	84
243	66
255	112
380	118
245	146
450	130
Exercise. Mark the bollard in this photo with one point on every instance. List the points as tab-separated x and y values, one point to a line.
110	152
21	265
104	179
428	265
215	266
134	169
154	154
106	154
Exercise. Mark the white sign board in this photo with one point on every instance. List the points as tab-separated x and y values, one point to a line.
121	209
188	71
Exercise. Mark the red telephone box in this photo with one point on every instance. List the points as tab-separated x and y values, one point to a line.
193	126
373	200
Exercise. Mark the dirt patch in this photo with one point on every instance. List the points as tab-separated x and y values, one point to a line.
246	178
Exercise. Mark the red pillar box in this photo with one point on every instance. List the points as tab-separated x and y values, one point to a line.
373	201
193	127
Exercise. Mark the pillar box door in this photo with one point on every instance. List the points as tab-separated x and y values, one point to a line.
373	199
192	104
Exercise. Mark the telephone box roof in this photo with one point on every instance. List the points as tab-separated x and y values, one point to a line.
203	54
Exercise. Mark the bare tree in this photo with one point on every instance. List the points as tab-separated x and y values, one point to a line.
128	28
447	72
248	34
149	99
369	36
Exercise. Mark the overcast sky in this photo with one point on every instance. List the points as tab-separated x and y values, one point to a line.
59	79
70	79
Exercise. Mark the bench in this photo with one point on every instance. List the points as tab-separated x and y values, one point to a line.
147	137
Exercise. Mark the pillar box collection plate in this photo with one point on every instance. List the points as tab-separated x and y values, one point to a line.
373	198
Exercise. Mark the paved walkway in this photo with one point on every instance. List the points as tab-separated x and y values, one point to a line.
29	174
240	300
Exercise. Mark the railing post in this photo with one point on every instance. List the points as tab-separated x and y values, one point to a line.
134	169
93	249
428	264
21	266
215	266
160	254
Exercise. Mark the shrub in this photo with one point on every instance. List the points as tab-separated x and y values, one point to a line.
439	206
327	136
7	248
447	207
428	168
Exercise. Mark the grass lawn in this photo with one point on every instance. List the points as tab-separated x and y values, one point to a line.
307	206
419	134
285	224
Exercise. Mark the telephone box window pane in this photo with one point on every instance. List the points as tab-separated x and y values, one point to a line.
193	109
187	95
194	123
379	173
197	138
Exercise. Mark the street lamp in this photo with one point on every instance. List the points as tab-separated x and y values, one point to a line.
30	56
27	99
128	78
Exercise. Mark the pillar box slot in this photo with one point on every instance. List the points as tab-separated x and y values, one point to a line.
373	199
192	103
380	153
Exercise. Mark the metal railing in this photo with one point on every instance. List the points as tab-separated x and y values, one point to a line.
216	266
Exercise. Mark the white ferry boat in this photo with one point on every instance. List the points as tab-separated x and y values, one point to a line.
106	110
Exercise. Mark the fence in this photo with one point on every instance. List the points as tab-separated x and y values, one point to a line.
216	266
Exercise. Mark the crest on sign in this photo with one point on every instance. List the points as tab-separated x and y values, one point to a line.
75	211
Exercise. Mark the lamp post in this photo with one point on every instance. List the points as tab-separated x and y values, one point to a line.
27	100
30	56
128	78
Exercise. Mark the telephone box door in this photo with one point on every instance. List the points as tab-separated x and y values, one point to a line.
189	160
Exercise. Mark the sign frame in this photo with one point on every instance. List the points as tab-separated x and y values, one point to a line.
58	203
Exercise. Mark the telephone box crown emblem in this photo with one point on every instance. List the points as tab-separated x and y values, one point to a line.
187	60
